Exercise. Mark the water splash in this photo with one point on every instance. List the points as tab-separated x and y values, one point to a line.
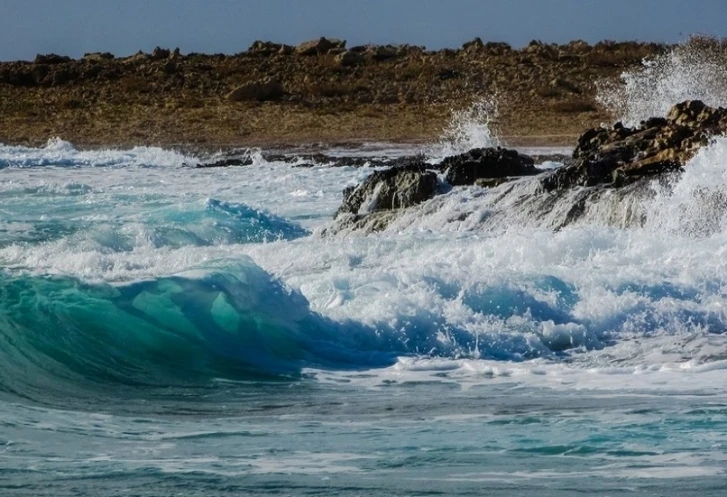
691	71
694	204
468	128
60	153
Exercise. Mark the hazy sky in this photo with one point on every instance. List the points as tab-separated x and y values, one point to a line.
72	27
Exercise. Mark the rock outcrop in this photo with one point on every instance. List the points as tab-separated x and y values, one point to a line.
98	56
620	155
51	58
349	58
260	91
390	189
486	163
373	204
320	46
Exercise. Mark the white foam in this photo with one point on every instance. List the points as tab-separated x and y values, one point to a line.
688	72
498	284
62	153
468	128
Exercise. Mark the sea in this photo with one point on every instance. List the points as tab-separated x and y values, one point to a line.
168	330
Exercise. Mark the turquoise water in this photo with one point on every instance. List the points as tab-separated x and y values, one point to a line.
166	330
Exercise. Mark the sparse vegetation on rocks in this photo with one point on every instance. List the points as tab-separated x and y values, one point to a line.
318	91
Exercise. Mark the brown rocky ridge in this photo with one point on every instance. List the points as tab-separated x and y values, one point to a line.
320	91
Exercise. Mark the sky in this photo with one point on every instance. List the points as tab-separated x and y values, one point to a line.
122	27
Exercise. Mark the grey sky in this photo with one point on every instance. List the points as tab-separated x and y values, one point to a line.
72	27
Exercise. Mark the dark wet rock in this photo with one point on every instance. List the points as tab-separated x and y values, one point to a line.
261	91
390	189
244	157
227	162
311	160
491	182
480	163
620	155
374	204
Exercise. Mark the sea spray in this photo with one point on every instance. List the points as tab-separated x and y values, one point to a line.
468	128
693	70
693	203
60	153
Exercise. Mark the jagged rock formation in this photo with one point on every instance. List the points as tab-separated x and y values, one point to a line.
320	46
374	203
604	159
619	155
391	189
487	163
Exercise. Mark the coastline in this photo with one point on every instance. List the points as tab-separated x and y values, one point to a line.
275	96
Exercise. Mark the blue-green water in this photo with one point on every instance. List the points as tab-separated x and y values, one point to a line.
166	330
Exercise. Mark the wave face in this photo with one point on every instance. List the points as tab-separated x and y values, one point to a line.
132	268
59	334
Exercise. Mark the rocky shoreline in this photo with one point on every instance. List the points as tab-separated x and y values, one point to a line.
321	91
605	158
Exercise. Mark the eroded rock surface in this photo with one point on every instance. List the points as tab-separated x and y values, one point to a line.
486	163
620	155
395	188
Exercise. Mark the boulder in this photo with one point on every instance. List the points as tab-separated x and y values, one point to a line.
227	162
51	58
497	48
381	52
261	91
473	45
390	189
160	53
349	58
264	48
320	46
481	163
139	56
620	155
577	47
98	56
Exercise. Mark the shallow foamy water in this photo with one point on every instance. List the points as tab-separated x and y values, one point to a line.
166	329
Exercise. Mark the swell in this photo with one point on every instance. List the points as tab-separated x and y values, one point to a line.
199	224
59	335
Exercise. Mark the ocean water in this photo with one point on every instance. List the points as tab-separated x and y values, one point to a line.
169	330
